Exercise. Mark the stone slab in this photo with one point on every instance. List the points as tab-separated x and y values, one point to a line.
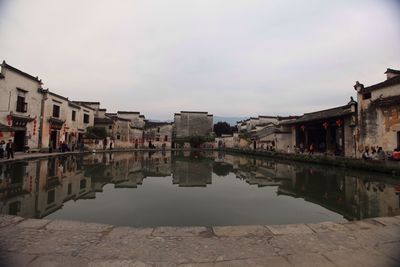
360	258
310	260
179	231
60	225
6	220
327	226
276	261
250	230
33	223
290	229
59	261
15	259
388	220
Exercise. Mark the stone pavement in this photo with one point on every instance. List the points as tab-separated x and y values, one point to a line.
33	242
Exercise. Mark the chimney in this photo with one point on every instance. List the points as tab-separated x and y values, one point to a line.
358	86
391	73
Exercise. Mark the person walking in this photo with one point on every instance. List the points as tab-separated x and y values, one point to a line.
10	149
2	149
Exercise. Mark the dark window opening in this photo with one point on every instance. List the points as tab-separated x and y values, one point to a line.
366	96
73	115
22	106
69	189
83	184
398	140
56	111
51	196
110	127
85	118
166	138
14	208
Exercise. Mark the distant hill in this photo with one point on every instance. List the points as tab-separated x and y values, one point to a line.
231	120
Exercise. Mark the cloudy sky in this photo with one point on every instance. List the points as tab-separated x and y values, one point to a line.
228	57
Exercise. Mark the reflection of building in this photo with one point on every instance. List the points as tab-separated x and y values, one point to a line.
190	171
379	113
354	198
38	188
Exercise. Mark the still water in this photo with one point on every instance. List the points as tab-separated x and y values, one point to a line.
191	189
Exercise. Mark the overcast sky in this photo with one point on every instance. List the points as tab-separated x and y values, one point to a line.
231	58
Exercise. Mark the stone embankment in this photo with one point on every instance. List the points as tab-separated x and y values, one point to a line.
386	166
33	242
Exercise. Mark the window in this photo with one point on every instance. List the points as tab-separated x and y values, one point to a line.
82	184
85	118
110	127
22	106
398	140
73	115
166	138
15	208
158	129
51	196
366	96
118	137
56	111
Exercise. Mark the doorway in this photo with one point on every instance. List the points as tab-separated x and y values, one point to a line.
398	140
53	139
19	140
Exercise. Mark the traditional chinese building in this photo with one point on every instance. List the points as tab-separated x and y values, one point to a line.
379	113
329	131
20	107
158	134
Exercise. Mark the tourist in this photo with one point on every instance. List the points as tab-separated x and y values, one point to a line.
104	143
2	149
288	149
10	149
312	148
374	155
365	154
381	154
111	145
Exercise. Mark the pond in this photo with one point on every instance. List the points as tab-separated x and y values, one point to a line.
191	189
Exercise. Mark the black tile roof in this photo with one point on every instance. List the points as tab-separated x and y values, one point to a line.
103	121
151	124
323	114
26	75
389	82
389	70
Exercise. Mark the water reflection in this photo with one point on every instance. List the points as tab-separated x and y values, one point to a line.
35	189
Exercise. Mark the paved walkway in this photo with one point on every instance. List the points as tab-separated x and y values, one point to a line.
32	242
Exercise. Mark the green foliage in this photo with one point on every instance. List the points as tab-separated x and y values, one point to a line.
96	133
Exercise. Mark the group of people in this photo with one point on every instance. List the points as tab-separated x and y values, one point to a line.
376	153
7	149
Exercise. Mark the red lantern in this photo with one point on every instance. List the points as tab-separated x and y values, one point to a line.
34	126
339	123
325	124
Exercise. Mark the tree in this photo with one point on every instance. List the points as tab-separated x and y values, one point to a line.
96	132
222	127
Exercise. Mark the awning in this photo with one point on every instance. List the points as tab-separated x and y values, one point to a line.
6	128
